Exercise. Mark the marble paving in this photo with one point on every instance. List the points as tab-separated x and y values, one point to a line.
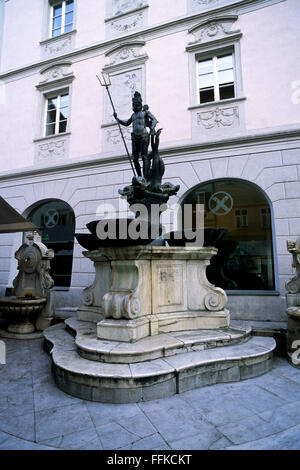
260	413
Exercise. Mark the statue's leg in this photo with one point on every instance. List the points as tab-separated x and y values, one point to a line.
135	156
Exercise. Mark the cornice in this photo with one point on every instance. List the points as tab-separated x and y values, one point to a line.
179	24
172	153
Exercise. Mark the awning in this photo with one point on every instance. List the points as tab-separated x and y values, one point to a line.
11	221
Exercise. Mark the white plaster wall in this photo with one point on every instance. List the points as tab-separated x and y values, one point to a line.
167	86
18	122
86	108
90	26
23	29
271	64
165	10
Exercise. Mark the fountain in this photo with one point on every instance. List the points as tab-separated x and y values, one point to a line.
293	306
30	308
152	325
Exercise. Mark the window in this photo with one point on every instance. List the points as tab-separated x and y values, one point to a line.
55	220
62	17
232	223
241	218
216	78
265	217
57	112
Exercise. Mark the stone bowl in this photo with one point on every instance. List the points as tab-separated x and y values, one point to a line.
21	312
92	242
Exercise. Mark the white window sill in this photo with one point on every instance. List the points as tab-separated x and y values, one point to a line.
217	103
53	136
56	38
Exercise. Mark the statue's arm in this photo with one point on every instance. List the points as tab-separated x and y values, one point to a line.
124	123
153	121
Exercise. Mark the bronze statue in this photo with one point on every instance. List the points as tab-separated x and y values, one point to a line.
140	120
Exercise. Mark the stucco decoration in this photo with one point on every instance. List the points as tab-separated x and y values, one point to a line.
113	136
213	28
54	149
218	117
124	85
128	24
58	45
56	72
126	52
118	7
198	5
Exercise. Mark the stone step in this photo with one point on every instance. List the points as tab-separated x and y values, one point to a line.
152	347
157	378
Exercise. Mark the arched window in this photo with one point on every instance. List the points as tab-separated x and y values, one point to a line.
56	223
237	220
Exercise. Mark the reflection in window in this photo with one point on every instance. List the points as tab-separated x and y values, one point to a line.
62	17
238	222
216	78
241	218
56	223
57	113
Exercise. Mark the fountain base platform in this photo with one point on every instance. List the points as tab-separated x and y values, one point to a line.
155	367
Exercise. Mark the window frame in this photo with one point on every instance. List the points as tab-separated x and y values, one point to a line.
47	97
269	292
216	84
52	5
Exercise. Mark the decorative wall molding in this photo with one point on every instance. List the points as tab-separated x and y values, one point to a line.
218	117
56	75
199	5
116	8
126	24
125	16
148	32
129	51
213	28
58	45
52	149
113	135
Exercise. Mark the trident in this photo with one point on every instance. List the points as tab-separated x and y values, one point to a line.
107	83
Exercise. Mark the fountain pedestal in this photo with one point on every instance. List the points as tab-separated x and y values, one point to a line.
153	290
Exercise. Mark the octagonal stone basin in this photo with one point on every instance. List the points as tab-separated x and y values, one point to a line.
21	312
90	241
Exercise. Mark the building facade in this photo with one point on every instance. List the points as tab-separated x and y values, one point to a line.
223	79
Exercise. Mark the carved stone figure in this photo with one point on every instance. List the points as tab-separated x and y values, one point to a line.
140	120
32	305
293	285
293	304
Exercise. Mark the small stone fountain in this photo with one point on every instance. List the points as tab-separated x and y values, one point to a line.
31	306
293	305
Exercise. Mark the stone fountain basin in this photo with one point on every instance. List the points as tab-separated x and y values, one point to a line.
20	311
90	241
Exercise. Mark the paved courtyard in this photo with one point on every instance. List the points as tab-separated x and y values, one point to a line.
260	413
